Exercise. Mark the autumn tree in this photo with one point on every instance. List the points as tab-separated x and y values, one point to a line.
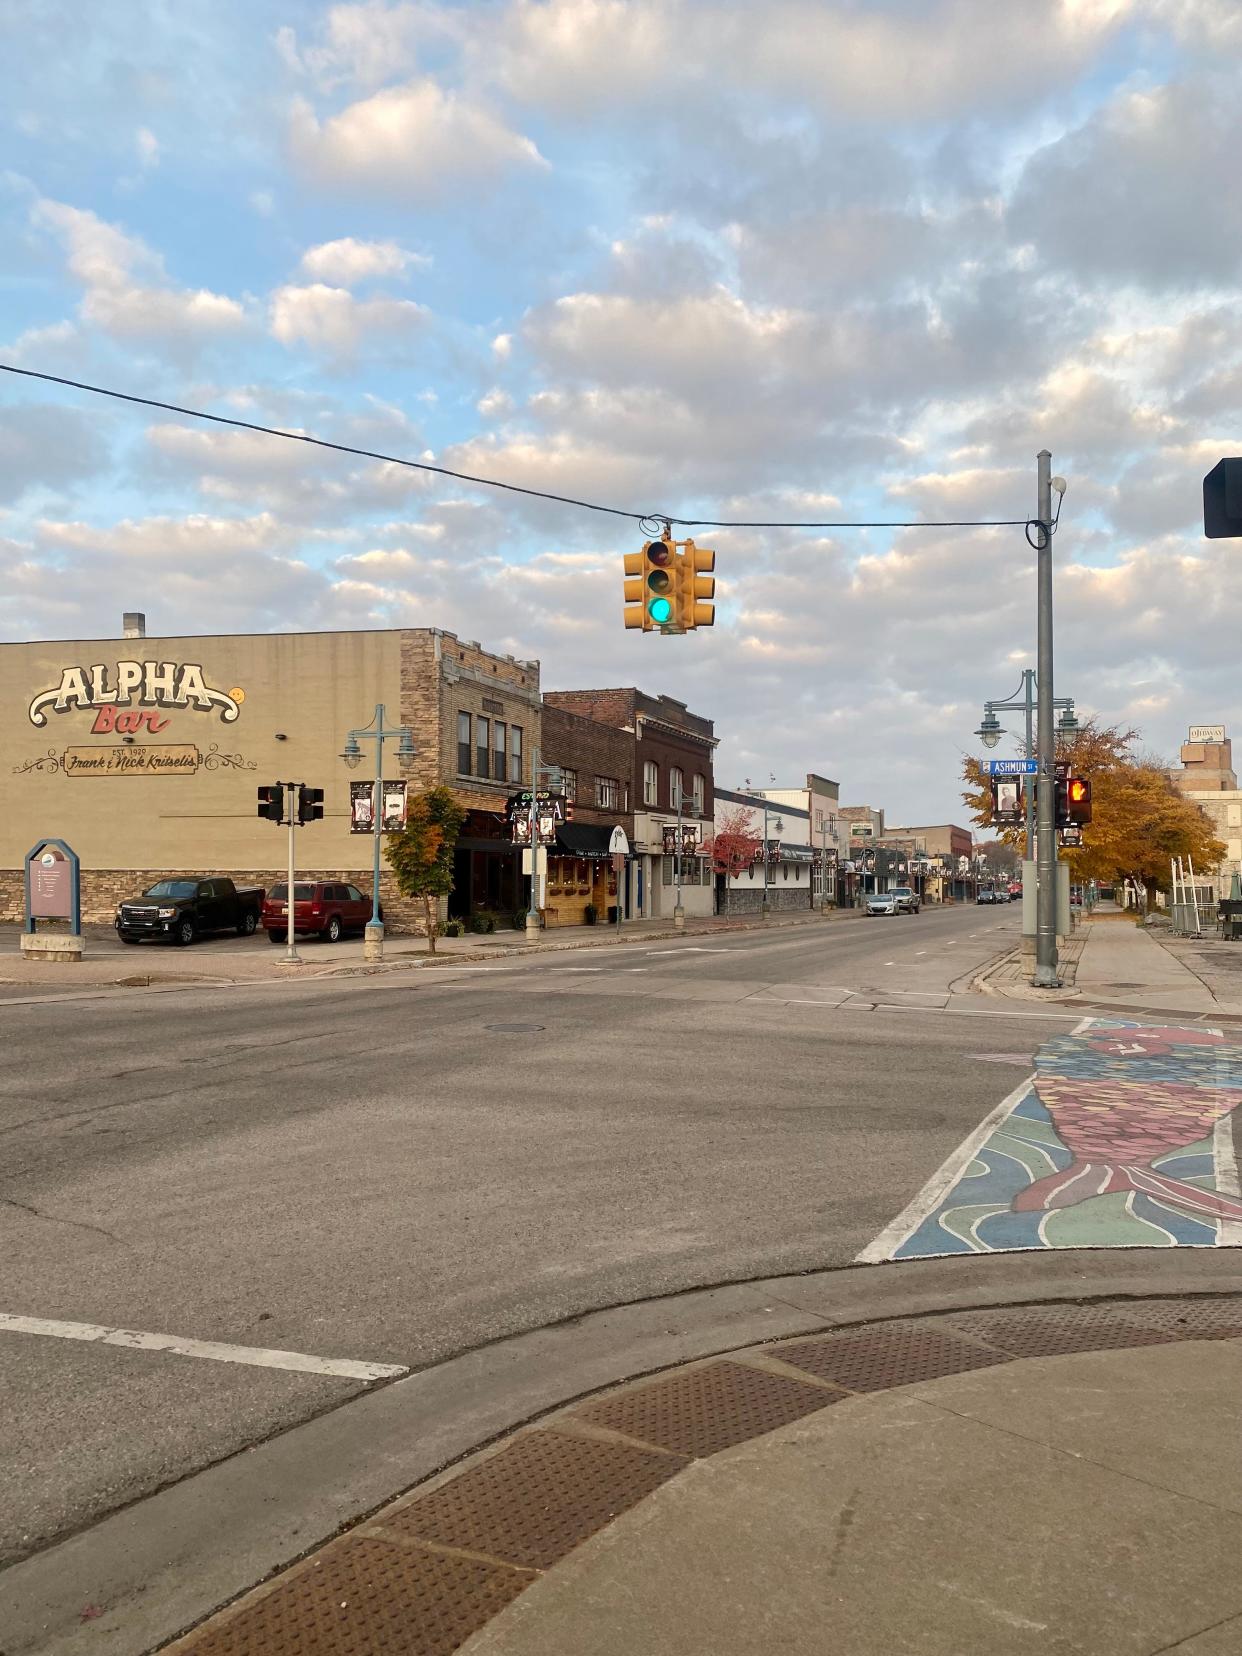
735	845
1139	820
421	855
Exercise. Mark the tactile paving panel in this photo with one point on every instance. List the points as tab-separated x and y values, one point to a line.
1194	1319
1058	1330
888	1354
536	1499
700	1411
366	1597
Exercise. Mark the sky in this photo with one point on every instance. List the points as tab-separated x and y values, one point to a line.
815	259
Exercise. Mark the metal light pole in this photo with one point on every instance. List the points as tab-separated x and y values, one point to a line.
554	775
292	957
379	733
1046	976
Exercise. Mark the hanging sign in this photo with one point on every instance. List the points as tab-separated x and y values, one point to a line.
362	807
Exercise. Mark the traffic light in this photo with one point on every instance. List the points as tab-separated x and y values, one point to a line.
1073	801
1222	501
310	804
695	584
272	802
649	585
1078	791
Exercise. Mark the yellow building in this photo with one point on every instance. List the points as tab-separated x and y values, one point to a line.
145	754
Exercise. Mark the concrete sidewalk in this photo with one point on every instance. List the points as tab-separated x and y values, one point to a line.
1112	961
957	1485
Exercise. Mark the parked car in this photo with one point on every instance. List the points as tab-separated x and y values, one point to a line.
907	899
1001	894
1015	890
881	902
985	894
325	908
184	907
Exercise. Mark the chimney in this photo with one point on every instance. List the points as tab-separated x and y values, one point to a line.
133	624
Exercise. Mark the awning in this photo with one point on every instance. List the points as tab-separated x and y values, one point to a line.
795	853
582	839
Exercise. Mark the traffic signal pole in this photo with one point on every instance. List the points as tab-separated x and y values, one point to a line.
1046	844
292	957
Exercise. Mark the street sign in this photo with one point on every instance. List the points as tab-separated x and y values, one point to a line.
1010	767
618	845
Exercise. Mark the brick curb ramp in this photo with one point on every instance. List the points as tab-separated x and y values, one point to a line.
428	1570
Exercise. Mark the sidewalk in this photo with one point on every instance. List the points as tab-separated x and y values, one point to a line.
222	961
1112	961
958	1485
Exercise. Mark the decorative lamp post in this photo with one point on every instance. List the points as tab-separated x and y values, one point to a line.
379	733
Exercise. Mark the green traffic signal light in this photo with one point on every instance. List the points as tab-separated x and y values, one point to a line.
660	611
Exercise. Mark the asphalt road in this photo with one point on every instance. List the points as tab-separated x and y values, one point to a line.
395	1169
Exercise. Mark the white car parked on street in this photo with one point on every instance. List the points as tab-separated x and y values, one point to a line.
881	902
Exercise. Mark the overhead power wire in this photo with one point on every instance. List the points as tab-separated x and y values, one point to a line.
643	519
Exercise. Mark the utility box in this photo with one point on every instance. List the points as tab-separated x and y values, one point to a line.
1030	884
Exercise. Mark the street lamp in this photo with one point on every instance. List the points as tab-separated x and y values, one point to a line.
990	730
379	733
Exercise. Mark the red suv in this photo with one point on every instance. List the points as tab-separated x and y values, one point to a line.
323	906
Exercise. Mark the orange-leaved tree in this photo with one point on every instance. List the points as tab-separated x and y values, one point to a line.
1139	819
421	855
735	845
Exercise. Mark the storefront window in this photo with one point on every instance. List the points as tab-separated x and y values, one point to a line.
515	753
463	744
482	742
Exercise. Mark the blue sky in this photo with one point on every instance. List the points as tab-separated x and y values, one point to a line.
800	261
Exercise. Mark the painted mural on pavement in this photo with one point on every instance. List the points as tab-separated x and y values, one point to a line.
1121	1138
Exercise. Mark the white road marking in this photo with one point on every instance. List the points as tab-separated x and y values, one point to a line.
945	1176
920	951
297	1362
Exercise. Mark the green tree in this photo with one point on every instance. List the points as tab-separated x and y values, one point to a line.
421	855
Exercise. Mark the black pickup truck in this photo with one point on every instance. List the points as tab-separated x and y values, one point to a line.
185	907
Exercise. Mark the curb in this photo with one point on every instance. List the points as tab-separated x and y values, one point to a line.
165	1563
452	1554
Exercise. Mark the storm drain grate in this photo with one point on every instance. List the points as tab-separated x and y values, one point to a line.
1058	1331
367	1597
889	1354
1195	1319
703	1410
535	1500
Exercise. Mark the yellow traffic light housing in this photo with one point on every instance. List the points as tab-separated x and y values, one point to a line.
651	586
697	586
668	586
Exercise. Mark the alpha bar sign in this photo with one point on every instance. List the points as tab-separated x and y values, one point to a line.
141	685
157	759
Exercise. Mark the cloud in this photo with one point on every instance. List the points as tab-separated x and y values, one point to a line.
148	147
332	322
126	291
366	44
1145	191
347	262
44	446
409	143
869	63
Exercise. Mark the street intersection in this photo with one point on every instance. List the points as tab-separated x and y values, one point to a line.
229	1211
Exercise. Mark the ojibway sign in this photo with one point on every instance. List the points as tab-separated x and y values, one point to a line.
125	697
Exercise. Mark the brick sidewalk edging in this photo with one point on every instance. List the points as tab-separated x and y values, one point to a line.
426	1571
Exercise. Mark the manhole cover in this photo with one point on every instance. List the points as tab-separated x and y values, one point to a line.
513	1028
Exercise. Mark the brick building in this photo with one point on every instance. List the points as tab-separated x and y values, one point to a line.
144	754
669	748
1207	776
597	764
